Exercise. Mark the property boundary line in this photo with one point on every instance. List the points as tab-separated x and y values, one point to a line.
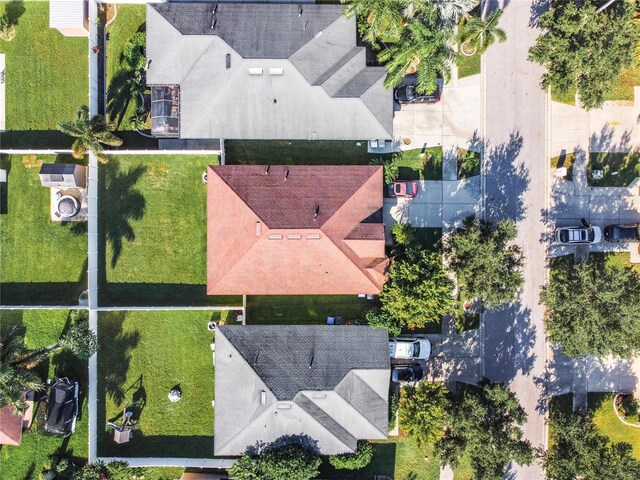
219	463
56	151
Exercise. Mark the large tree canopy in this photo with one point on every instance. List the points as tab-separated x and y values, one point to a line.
288	462
577	450
583	49
418	291
484	423
487	265
422	411
593	308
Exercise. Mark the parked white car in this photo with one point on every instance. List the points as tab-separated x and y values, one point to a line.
409	348
578	235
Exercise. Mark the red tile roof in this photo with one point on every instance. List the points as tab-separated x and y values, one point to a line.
294	230
10	426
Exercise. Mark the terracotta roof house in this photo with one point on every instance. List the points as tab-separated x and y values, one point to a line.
10	426
330	384
295	230
262	71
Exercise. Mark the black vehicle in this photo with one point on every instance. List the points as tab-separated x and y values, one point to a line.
62	408
408	94
622	233
407	373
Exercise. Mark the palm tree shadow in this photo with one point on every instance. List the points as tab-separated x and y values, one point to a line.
122	203
118	97
13	11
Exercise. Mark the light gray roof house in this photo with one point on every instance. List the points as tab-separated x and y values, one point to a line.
262	71
329	383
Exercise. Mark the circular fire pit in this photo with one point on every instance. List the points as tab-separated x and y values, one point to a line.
68	206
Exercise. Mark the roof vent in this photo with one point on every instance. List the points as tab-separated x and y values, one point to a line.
313	236
300	10
276	71
286	174
319	395
258	229
266	169
317	212
294	236
214	20
228	61
255	71
275	237
284	406
263	397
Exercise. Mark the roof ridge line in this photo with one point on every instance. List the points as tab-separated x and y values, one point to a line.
355	372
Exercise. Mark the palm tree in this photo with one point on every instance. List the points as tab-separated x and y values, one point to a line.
452	11
423	48
381	18
90	133
480	33
15	373
7	29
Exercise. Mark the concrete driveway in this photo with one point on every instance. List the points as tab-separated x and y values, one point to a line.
438	204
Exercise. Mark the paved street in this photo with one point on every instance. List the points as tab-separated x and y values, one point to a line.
515	156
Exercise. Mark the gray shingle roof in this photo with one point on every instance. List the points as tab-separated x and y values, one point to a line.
324	89
328	383
291	359
253	30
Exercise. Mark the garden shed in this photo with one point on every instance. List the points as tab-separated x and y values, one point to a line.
63	175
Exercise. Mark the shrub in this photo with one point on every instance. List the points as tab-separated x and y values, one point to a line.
629	407
376	318
403	233
393	411
353	461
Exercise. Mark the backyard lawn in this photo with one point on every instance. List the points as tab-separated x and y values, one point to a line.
301	152
129	20
420	164
153	230
304	309
41	262
43	327
619	169
46	78
601	404
142	356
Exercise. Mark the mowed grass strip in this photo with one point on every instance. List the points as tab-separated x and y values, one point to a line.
46	78
40	260
143	355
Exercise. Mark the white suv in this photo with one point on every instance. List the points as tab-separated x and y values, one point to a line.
409	348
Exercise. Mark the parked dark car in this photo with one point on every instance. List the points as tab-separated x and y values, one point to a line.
407	373
402	188
62	408
408	94
622	233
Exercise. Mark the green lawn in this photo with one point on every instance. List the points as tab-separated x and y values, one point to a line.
623	87
620	259
46	78
301	152
569	98
601	404
43	327
142	356
153	230
468	66
620	169
41	262
400	459
565	160
420	164
129	20
304	309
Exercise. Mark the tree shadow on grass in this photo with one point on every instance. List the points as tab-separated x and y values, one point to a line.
115	347
13	11
120	204
118	97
